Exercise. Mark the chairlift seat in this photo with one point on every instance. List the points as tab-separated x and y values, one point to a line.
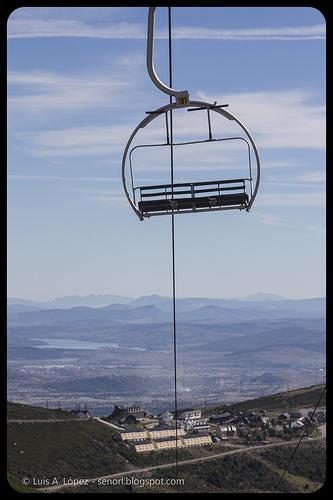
167	199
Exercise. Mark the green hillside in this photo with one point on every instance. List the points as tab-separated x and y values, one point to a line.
67	447
17	485
254	472
306	397
18	411
257	472
82	449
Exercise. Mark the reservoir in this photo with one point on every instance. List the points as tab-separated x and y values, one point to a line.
80	344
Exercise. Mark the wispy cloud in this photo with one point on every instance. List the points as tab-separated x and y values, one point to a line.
278	164
75	141
319	231
271	220
66	13
312	177
314	32
291	199
42	91
278	119
55	27
285	119
87	190
316	175
116	199
113	81
99	196
51	28
15	177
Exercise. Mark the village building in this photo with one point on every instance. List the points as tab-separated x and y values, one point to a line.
145	434
130	415
139	413
227	431
221	417
165	432
81	413
166	417
197	440
150	423
189	414
295	415
296	424
310	417
146	446
198	425
321	416
284	416
171	443
127	419
135	435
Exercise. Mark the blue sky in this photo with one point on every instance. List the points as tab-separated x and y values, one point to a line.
78	86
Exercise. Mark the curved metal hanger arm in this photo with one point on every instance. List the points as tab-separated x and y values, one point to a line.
182	96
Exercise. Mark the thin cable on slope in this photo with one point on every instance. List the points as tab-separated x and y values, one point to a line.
302	436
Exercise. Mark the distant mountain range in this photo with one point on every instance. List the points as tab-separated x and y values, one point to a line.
72	301
264	296
69	301
156	309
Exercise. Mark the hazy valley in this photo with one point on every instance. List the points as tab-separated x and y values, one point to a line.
101	350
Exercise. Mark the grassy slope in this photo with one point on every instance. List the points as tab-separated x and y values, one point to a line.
306	397
81	449
18	486
257	472
90	449
18	411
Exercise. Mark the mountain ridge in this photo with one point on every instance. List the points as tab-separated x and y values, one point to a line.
186	310
102	300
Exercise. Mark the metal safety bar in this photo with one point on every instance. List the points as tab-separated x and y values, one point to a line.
185	184
169	188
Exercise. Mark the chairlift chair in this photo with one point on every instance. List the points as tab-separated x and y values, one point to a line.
188	197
